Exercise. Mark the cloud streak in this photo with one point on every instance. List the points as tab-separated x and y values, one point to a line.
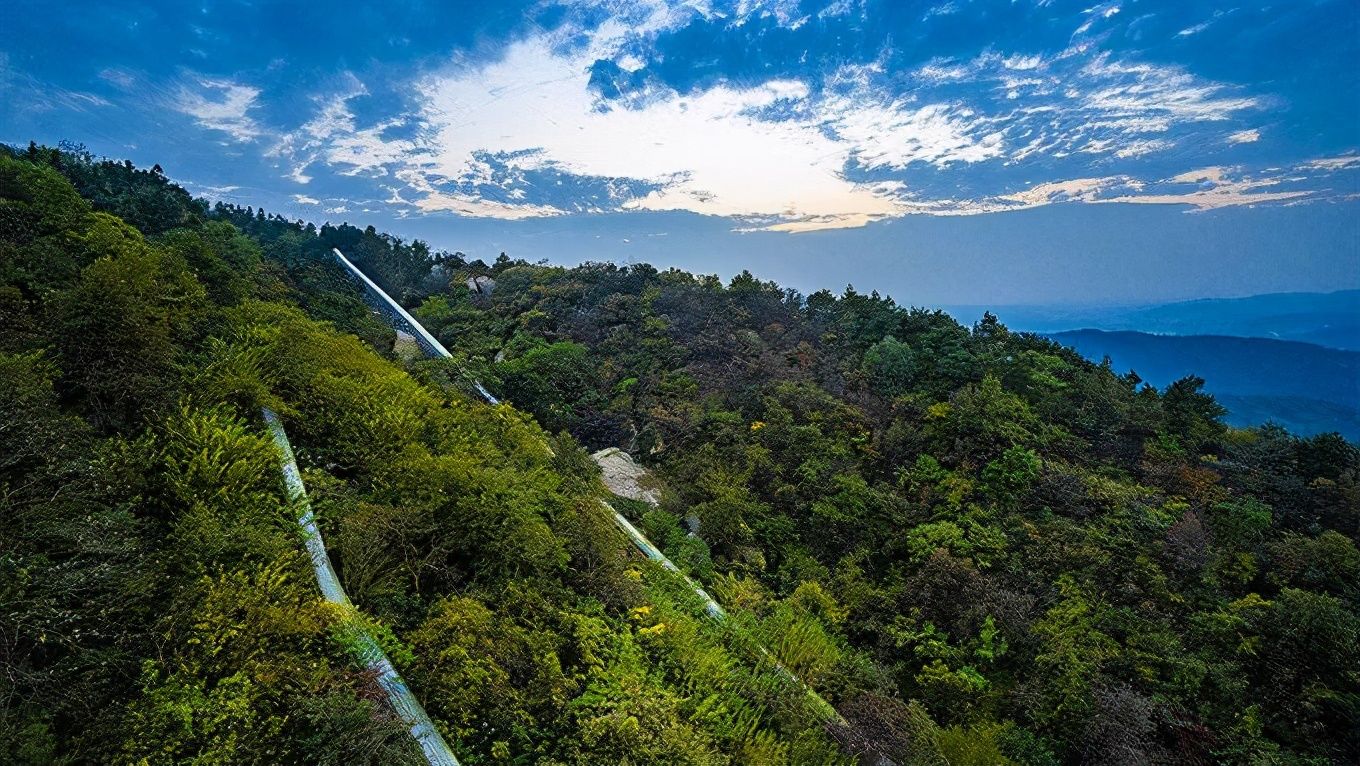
221	105
574	120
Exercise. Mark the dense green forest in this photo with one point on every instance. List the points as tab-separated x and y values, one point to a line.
1257	380
979	547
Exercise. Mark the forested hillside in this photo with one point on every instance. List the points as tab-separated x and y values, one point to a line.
978	546
1325	319
1309	389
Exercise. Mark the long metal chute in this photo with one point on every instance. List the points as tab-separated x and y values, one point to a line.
402	319
399	317
399	696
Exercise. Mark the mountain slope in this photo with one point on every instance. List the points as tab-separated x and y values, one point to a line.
1325	319
1310	388
978	545
156	600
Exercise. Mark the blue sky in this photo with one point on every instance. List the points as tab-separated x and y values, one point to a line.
943	152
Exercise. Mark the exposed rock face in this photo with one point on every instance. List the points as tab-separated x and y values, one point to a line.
481	285
626	478
406	346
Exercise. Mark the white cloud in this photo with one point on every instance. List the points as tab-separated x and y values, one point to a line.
434	200
303	199
330	132
1201	189
1023	63
894	135
786	12
1097	13
211	191
22	92
1073	190
840	8
716	151
1244	136
1040	145
1149	90
711	152
1200	27
222	105
944	9
942	71
120	78
1141	147
1078	103
1211	199
1130	124
509	137
1214	187
1343	162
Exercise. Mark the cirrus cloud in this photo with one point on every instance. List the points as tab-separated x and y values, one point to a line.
575	120
221	105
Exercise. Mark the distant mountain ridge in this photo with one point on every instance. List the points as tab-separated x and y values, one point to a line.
1303	386
1326	319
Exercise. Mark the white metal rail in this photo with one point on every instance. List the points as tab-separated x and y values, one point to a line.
399	695
383	303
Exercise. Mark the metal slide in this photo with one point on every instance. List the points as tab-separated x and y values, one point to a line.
401	319
399	695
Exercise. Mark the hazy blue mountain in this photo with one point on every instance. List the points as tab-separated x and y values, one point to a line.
1305	387
1298	414
1326	319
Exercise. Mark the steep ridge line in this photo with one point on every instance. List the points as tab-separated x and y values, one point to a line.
399	696
398	316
